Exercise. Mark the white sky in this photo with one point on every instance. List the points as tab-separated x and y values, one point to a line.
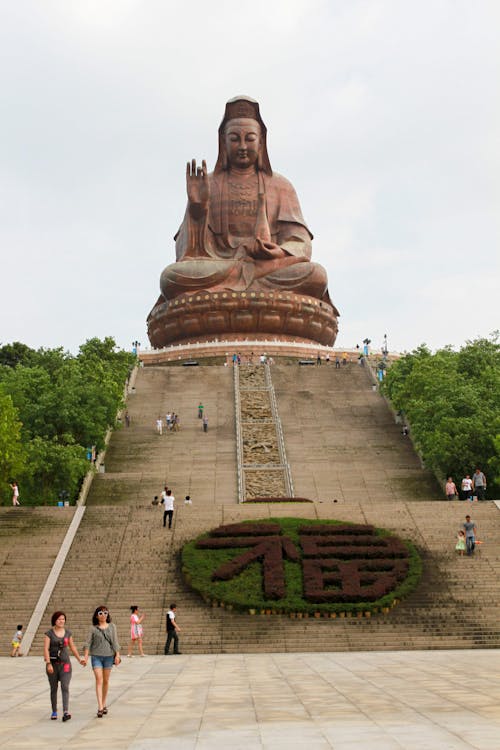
384	114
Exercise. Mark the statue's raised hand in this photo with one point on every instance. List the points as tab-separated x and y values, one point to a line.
198	189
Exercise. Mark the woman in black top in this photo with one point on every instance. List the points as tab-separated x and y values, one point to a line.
58	641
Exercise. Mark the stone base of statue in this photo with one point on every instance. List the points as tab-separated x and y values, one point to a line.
233	316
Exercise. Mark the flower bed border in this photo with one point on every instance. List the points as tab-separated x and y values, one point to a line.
277	500
198	570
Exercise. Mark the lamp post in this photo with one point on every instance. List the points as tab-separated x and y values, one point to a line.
135	347
385	350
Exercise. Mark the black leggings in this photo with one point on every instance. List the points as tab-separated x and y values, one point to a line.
62	674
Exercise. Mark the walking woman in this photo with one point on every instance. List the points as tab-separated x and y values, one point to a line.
135	631
57	643
15	493
104	649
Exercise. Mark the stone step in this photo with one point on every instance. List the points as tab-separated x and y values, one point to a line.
30	538
342	444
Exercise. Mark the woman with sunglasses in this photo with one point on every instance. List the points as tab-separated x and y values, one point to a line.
104	649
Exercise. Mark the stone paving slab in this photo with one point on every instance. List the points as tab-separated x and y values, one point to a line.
422	700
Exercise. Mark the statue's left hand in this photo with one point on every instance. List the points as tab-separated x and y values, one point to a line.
266	250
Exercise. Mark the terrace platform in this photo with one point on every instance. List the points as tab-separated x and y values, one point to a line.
432	700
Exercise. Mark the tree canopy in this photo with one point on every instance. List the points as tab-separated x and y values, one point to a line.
452	403
53	407
11	448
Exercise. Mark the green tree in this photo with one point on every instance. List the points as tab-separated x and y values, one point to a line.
52	468
11	449
15	354
66	404
452	402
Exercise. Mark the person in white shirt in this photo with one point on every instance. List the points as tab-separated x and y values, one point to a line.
466	487
167	500
173	630
15	494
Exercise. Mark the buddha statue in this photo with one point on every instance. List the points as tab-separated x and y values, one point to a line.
243	229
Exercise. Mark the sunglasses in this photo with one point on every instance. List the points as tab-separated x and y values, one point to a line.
102	612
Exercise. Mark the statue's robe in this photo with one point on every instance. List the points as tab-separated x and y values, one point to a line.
212	258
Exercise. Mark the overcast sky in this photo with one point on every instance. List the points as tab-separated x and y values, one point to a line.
384	114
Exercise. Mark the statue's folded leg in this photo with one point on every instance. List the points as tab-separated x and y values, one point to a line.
186	277
301	278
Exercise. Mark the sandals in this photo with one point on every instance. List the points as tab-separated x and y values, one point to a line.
66	717
100	714
105	710
53	716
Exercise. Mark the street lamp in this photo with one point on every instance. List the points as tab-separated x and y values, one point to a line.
135	346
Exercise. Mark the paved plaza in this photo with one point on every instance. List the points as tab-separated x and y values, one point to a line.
432	700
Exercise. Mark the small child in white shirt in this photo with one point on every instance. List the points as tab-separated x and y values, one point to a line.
16	641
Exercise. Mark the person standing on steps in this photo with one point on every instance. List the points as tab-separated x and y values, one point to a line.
15	493
200	410
451	489
460	545
168	507
470	535
205	424
467	488
173	630
479	484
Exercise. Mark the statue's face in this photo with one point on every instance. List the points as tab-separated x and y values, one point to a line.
242	138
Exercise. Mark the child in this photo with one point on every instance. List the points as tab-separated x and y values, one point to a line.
16	641
460	545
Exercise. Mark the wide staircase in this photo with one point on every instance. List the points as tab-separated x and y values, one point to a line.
346	455
30	538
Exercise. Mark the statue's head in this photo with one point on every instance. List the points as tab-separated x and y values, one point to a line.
242	115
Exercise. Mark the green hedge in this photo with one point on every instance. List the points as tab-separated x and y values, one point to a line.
245	591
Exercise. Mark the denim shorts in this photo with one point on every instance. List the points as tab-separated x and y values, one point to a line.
102	662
